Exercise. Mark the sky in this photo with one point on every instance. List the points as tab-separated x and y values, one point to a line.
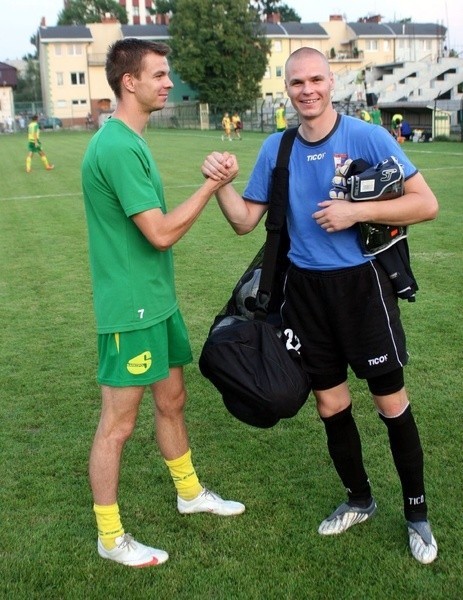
21	19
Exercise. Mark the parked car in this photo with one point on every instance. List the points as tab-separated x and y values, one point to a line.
50	123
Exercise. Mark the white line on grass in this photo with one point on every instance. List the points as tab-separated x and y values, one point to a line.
195	185
48	196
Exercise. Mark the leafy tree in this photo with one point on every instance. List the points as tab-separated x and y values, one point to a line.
80	12
166	6
28	88
288	14
265	7
219	48
259	7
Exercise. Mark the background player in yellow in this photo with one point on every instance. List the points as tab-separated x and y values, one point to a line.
237	125
34	145
226	126
280	118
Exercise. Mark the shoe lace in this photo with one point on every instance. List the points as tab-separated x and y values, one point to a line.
127	542
208	494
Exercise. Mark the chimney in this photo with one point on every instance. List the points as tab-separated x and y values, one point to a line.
274	18
43	22
108	18
162	19
335	17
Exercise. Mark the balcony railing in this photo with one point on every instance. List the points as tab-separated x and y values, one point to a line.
96	60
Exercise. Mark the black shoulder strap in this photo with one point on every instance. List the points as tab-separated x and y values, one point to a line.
275	223
276	215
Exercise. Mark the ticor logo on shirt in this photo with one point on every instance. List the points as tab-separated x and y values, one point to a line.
139	364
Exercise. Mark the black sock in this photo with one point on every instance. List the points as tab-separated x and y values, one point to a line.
345	450
407	453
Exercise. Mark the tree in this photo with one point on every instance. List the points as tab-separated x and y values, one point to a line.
288	14
219	48
28	88
265	7
80	12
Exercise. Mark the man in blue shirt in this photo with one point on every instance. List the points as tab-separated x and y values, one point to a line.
340	309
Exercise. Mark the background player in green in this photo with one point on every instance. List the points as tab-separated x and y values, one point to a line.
280	117
34	145
142	339
375	114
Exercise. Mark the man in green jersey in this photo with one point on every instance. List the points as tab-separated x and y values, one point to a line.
142	339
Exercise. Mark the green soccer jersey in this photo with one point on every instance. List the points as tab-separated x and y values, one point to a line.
133	282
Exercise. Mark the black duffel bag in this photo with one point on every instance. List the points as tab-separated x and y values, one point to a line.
247	361
245	355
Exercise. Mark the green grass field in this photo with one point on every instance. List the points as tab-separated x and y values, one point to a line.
49	406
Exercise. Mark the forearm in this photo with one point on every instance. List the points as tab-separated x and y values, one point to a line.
164	230
243	216
406	210
418	204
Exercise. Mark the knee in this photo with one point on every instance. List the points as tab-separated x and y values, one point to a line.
172	405
118	432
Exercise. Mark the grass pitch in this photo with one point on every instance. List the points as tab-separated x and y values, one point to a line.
49	406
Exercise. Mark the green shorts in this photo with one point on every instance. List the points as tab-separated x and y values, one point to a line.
143	356
33	148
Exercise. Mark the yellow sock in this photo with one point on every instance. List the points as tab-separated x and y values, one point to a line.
109	524
45	161
28	163
184	476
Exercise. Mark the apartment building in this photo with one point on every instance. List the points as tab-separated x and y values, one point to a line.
139	11
72	57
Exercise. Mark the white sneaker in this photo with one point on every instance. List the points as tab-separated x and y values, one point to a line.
344	517
133	554
422	542
210	502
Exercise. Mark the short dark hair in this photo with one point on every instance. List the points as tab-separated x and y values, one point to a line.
126	56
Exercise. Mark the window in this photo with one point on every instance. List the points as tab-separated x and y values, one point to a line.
386	46
277	46
59	79
371	45
78	78
79	102
74	49
58	50
267	73
278	71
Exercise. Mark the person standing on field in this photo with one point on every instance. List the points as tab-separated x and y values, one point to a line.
237	125
280	118
375	114
340	308
34	146
142	338
226	126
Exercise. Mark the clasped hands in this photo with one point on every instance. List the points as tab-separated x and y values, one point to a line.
220	166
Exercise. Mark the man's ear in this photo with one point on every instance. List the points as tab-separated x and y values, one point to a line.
127	82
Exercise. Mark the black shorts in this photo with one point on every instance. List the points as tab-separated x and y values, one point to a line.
347	317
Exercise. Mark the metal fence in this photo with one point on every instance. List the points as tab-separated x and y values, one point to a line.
261	117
